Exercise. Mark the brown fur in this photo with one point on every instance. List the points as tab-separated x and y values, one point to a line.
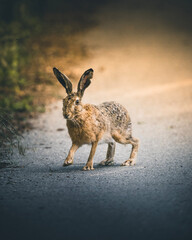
90	124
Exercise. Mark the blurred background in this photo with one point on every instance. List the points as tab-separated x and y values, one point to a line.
149	39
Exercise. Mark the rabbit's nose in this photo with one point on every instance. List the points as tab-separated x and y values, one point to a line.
66	116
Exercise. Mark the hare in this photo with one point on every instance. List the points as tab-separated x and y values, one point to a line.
108	122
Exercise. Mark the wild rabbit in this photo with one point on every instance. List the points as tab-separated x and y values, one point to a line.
91	124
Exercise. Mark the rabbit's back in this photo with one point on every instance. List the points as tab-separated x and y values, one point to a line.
116	114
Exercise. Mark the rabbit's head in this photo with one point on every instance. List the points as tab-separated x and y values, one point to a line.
72	105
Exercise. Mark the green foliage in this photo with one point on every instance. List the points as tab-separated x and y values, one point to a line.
15	59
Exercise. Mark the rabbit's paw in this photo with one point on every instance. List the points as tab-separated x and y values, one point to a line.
88	167
130	162
106	162
68	161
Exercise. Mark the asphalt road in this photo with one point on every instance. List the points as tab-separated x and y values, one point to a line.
39	199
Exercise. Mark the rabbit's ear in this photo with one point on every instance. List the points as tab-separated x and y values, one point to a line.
84	81
64	80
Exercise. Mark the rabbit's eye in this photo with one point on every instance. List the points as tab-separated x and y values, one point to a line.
77	102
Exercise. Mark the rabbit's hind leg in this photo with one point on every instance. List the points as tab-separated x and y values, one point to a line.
128	139
135	145
110	155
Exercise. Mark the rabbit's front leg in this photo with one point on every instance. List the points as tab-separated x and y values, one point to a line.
69	159
89	164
